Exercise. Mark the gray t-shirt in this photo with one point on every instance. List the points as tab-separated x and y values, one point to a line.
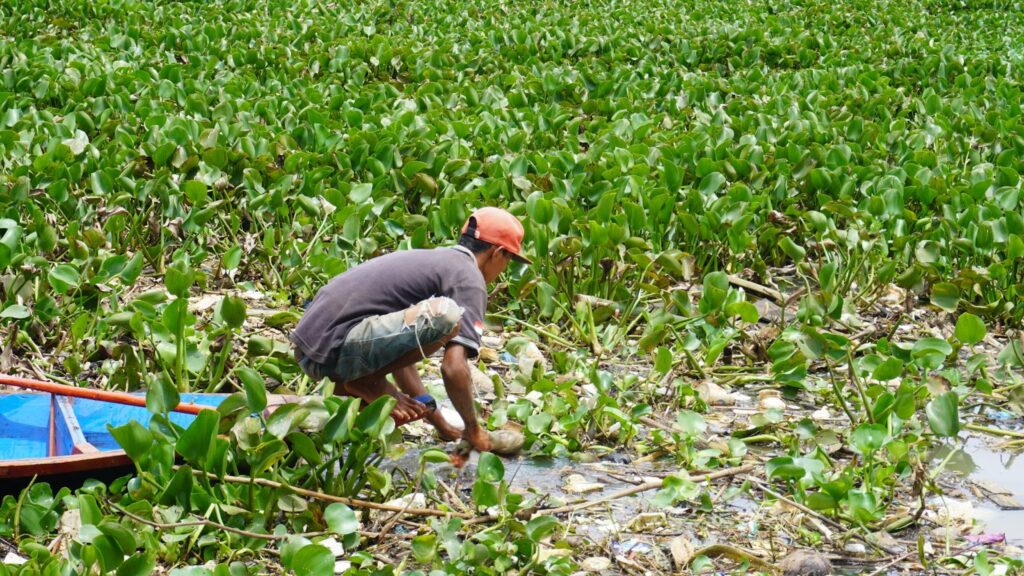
390	283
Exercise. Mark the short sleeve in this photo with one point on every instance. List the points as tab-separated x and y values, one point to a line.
470	294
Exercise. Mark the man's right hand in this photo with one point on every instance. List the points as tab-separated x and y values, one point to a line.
478	438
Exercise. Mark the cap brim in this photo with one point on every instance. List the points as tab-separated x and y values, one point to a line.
520	258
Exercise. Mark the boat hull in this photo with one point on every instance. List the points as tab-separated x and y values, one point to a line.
47	435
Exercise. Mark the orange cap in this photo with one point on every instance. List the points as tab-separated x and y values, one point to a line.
498	227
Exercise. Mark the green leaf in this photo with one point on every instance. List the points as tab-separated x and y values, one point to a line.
232	258
178	278
89	509
490	468
341	519
889	369
691	423
266	455
119	534
133	438
360	192
132	269
745	310
110	555
868	438
944	415
340	425
672	176
423	547
663	360
161	395
195	191
792	249
216	157
372	418
313	560
539	208
485	494
716	288
540	527
196	441
141	564
255	388
179	490
285	419
783	468
232	311
930	345
946	296
712	183
16	312
539	423
101	183
63	278
304	446
434	456
970	329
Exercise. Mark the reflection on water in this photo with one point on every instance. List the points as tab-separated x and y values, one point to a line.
977	461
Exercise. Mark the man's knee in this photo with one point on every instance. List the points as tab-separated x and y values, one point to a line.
448	312
443	312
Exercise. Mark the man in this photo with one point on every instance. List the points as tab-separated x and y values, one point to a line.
385	315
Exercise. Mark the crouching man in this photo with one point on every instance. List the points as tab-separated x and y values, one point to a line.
385	315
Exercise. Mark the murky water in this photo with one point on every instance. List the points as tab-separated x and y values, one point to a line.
977	461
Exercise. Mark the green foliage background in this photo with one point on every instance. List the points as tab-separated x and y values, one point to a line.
155	150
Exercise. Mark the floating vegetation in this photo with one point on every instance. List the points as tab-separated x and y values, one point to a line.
775	298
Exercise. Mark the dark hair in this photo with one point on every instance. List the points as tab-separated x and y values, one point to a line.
474	245
469	240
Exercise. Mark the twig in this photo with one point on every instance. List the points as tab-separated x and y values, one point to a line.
820	517
885	567
994	431
649	485
198	521
775	295
620	478
736	554
453	498
391	521
7	545
43	376
903	557
655	424
546	333
355	503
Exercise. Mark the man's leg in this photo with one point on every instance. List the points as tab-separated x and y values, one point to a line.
408	379
371	386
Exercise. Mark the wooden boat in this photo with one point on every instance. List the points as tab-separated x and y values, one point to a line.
49	434
62	430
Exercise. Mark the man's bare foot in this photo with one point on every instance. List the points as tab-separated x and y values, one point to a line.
406	409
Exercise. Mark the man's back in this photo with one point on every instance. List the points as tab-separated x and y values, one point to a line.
389	283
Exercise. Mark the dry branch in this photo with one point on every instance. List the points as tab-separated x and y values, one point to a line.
649	485
756	288
353	502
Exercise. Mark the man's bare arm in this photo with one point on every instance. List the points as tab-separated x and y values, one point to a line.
459	384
